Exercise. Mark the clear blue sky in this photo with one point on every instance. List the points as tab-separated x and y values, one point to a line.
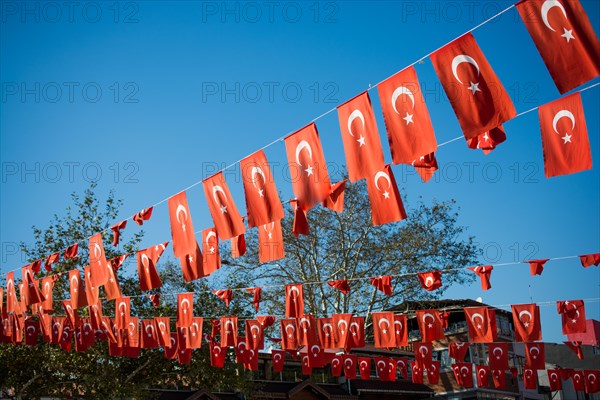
151	97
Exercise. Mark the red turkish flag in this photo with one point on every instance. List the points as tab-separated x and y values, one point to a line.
32	332
431	280
116	229
146	265
341	323
192	265
592	381
300	223
163	329
72	315
384	197
142	216
36	266
401	330
498	356
133	333
108	328
195	333
306	368
229	330
307	333
122	312
356	334
423	353
430	325
526	318
535	356
383	329
463	372
484	272
170	350
155	299
341	285
310	179
270	242
350	362
477	96
426	166
386	368
572	314
564	136
278	360
362	144
483	375
294	301
499	378
289	334
409	129
210	248
91	293
71	251
488	141
51	259
587	260
149	334
95	313
182	227
433	373
336	366
255	334
228	221
238	246
402	366
554	379
417	372
78	299
326	332
481	325
98	263
383	284
47	288
262	199
335	199
458	350
576	347
536	267
217	355
12	305
224	294
111	287
185	309
364	367
578	380
31	294
116	262
256	292
529	379
241	350
565	39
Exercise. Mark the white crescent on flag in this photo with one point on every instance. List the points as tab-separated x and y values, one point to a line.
546	7
355	114
462	58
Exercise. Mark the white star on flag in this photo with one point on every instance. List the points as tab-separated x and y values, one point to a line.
474	87
568	35
409	119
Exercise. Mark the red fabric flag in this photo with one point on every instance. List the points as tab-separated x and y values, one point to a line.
564	136
149	335
458	350
364	367
116	229
326	332
483	375
423	353
499	378
238	246
32	331
402	366
463	372
31	294
217	355
433	373
362	144
227	219
430	325
307	334
484	272
529	379
270	242
426	166
185	309
592	381
341	323
142	216
133	332
300	223
383	284
386	368
265	320
122	312
310	179
146	266
278	360
12	305
336	366
95	312
349	361
554	379
163	328
108	329
409	129
71	251
526	319
210	248
262	199
256	292
294	301
192	265
78	298
356	334
116	262
289	333
488	141
480	325
229	331
182	227
401	330
51	259
565	39
578	381
155	299
241	350
97	260
572	314
477	96
195	333
498	356
255	334
224	294
417	372
306	368
91	293
536	267
111	287
587	260
335	199
36	266
384	197
170	351
72	315
341	285
576	347
383	330
535	356
431	280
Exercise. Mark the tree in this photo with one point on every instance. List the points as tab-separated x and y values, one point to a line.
45	370
347	246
